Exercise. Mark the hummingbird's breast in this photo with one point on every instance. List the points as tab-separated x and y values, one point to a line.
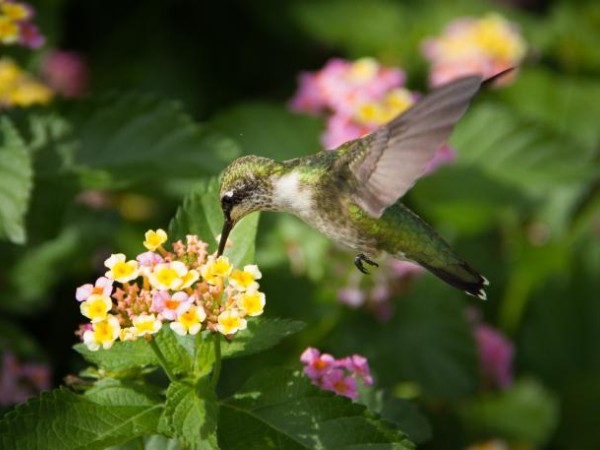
323	207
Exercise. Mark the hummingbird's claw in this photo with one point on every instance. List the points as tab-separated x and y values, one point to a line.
358	262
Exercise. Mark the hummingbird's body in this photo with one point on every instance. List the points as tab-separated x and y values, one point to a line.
351	194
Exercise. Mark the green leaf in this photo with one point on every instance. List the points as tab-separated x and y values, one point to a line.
431	320
409	419
365	28
271	130
281	409
528	155
39	268
569	105
132	137
63	420
526	412
201	214
260	335
178	352
113	392
154	442
190	414
16	183
122	355
467	198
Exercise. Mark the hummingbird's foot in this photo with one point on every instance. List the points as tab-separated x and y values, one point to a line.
358	262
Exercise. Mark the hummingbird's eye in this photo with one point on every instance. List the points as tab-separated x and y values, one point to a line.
227	200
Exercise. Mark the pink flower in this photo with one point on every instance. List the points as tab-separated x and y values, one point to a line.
19	381
316	364
337	375
103	286
308	98
340	129
405	268
66	72
495	356
149	259
353	297
359	366
171	306
30	36
335	380
470	45
340	85
444	155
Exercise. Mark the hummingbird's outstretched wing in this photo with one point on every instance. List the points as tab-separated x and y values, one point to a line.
387	162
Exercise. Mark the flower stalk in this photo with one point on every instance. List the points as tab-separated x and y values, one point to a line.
161	359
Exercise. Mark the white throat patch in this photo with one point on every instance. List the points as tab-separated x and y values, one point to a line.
289	195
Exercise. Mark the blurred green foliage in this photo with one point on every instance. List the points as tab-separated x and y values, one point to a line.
181	88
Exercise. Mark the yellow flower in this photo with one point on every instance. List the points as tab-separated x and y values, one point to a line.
96	307
103	334
121	270
9	74
364	69
189	321
146	324
9	30
251	302
128	334
399	100
216	269
370	113
495	35
167	276
189	278
155	239
30	92
15	11
17	88
245	279
230	322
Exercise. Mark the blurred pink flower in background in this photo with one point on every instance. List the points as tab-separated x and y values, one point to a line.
470	45
356	97
495	354
20	381
393	278
66	73
336	375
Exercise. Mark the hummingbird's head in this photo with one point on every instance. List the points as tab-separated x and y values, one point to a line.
245	188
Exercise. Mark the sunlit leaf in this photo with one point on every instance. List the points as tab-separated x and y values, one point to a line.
281	409
133	137
260	335
62	420
190	414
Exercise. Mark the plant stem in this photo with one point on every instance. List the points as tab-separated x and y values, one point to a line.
161	358
217	369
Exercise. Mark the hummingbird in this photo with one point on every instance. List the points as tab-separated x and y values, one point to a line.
352	194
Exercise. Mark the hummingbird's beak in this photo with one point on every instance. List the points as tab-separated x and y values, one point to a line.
227	226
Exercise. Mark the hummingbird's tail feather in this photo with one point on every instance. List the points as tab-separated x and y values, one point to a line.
461	276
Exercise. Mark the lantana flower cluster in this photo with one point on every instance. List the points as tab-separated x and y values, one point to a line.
16	25
470	45
186	288
356	97
337	375
18	88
